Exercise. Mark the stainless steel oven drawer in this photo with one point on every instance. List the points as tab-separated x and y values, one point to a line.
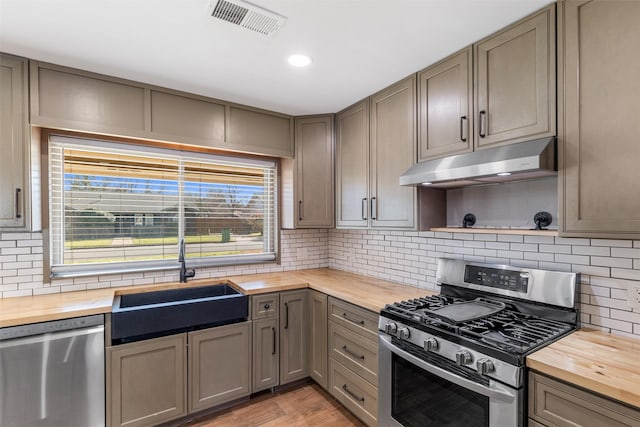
356	353
356	394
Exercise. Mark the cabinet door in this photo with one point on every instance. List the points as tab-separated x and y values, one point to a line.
318	337
445	107
194	120
352	166
558	404
65	98
265	353
515	82
294	363
314	172
393	151
147	381
259	131
14	141
598	147
219	365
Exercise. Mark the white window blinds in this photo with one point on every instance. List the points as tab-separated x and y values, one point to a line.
118	207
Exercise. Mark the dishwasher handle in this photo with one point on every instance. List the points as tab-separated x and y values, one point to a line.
51	336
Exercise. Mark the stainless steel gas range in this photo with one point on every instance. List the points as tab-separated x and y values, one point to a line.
458	358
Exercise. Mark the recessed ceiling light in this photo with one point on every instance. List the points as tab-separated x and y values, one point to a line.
427	183
299	60
504	174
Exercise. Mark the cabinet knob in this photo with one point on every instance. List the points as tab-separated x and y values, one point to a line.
267	306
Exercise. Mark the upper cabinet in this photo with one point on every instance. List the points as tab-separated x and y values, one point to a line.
260	131
64	98
515	84
14	143
393	142
307	193
376	142
445	107
598	118
352	166
69	99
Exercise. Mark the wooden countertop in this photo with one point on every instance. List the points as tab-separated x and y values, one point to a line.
364	291
594	360
372	294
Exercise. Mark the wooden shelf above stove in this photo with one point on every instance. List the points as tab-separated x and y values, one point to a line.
520	231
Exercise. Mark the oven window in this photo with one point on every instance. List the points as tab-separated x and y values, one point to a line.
421	399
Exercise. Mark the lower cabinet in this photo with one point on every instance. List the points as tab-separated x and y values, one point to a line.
293	336
356	394
147	381
280	338
555	403
266	336
353	358
318	337
154	381
219	365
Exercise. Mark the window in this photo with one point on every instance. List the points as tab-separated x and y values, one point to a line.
119	207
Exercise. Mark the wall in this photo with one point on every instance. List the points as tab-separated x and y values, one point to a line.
607	267
21	263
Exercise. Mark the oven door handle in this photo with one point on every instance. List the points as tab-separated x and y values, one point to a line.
496	391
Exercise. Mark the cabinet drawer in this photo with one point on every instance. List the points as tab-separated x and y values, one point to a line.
554	403
264	305
357	395
362	322
356	353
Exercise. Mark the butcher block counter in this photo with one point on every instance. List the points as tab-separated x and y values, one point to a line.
372	294
599	362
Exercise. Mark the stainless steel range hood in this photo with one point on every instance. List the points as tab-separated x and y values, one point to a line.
524	160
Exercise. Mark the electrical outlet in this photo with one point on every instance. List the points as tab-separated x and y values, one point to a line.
634	296
302	253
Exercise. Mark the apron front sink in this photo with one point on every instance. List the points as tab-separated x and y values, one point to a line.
152	314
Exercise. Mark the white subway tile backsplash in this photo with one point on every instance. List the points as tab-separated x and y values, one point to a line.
539	239
611	262
556	249
603	251
607	266
612	243
625	253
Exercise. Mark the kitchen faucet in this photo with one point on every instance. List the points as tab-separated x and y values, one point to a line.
184	274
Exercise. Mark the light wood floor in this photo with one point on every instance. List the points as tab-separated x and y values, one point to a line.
306	405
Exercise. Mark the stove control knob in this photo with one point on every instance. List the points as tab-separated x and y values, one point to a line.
463	357
485	366
403	333
391	328
431	344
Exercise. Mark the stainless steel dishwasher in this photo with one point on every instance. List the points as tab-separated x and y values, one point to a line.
52	374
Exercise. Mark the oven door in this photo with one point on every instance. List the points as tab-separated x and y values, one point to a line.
417	393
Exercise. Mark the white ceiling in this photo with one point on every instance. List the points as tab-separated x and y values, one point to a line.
358	46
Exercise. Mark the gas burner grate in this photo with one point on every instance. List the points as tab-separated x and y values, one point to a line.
514	332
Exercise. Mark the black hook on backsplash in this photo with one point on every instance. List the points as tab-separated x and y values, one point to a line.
468	220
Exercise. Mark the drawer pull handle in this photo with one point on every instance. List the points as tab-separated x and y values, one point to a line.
356	321
273	331
352	353
463	134
286	315
352	394
482	126
18	211
364	208
267	306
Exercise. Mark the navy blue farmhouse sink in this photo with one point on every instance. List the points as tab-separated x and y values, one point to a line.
145	315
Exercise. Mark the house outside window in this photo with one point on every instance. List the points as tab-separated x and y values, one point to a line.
123	207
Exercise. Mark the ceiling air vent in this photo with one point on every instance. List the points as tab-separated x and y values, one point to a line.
247	15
